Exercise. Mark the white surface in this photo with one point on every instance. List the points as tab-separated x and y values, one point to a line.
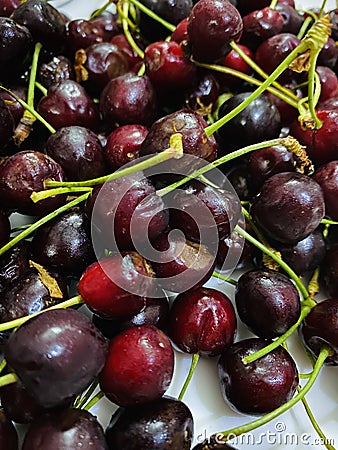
211	414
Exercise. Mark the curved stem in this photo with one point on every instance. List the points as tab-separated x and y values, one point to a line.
100	10
230	434
41	88
42	221
174	151
194	361
223	278
304	27
311	90
124	15
154	16
41	195
21	320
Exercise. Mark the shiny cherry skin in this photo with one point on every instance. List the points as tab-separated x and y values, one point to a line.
293	19
258	387
139	366
289	207
122	43
71	428
202	321
180	34
52	364
327	177
164	424
123	145
14	263
267	302
320	327
59	68
67	103
234	61
103	285
24	173
6	124
203	94
329	271
259	25
8	6
8	433
14	108
328	81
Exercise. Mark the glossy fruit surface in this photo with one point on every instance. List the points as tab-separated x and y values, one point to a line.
8	434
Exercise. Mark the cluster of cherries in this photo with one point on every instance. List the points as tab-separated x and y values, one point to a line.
88	107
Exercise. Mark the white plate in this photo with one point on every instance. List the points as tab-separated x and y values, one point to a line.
289	431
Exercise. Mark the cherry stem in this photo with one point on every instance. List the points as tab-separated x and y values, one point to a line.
174	151
312	76
41	195
322	9
31	110
124	15
3	365
328	222
41	88
230	434
100	10
249	79
10	378
153	15
261	72
273	4
194	360
21	320
34	226
83	399
93	401
304	27
223	278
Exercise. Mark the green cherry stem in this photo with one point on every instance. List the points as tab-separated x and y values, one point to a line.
194	361
28	231
223	278
329	222
124	17
273	4
303	29
41	88
100	10
41	195
21	320
230	434
3	365
82	400
174	151
153	15
93	401
10	378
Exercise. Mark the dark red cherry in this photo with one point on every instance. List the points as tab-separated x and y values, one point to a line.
14	263
123	145
328	82
202	321
66	104
59	68
328	55
16	48
50	354
122	43
167	67
13	106
327	177
8	6
321	144
78	151
289	207
44	21
6	124
329	271
236	62
64	243
287	112
259	25
292	18
108	286
8	434
24	173
139	366
164	424
203	94
212	24
128	99
258	387
71	429
267	302
180	34
320	327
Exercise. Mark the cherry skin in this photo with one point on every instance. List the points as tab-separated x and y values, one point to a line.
122	43
139	366
71	428
203	94
234	61
320	327
164	424
180	34
59	68
52	364
13	264
259	25
102	285
202	321
327	177
328	82
293	20
258	387
5	228
289	207
8	6
6	124
8	434
267	302
329	271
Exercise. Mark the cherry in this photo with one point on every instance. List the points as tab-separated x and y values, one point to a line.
107	24
267	302
184	121
327	177
289	207
211	26
180	34
328	55
259	25
16	48
320	328
203	94
164	424
234	61
287	112
202	321
258	387
103	285
71	428
123	145
64	243
139	366
45	22
167	67
122	43
52	364
6	124
78	151
14	263
306	255
329	271
8	6
104	61
8	434
328	82
321	144
59	68
241	251
293	20
14	108
24	173
260	120
128	99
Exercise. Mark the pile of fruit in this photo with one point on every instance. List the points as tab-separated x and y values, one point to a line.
152	149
